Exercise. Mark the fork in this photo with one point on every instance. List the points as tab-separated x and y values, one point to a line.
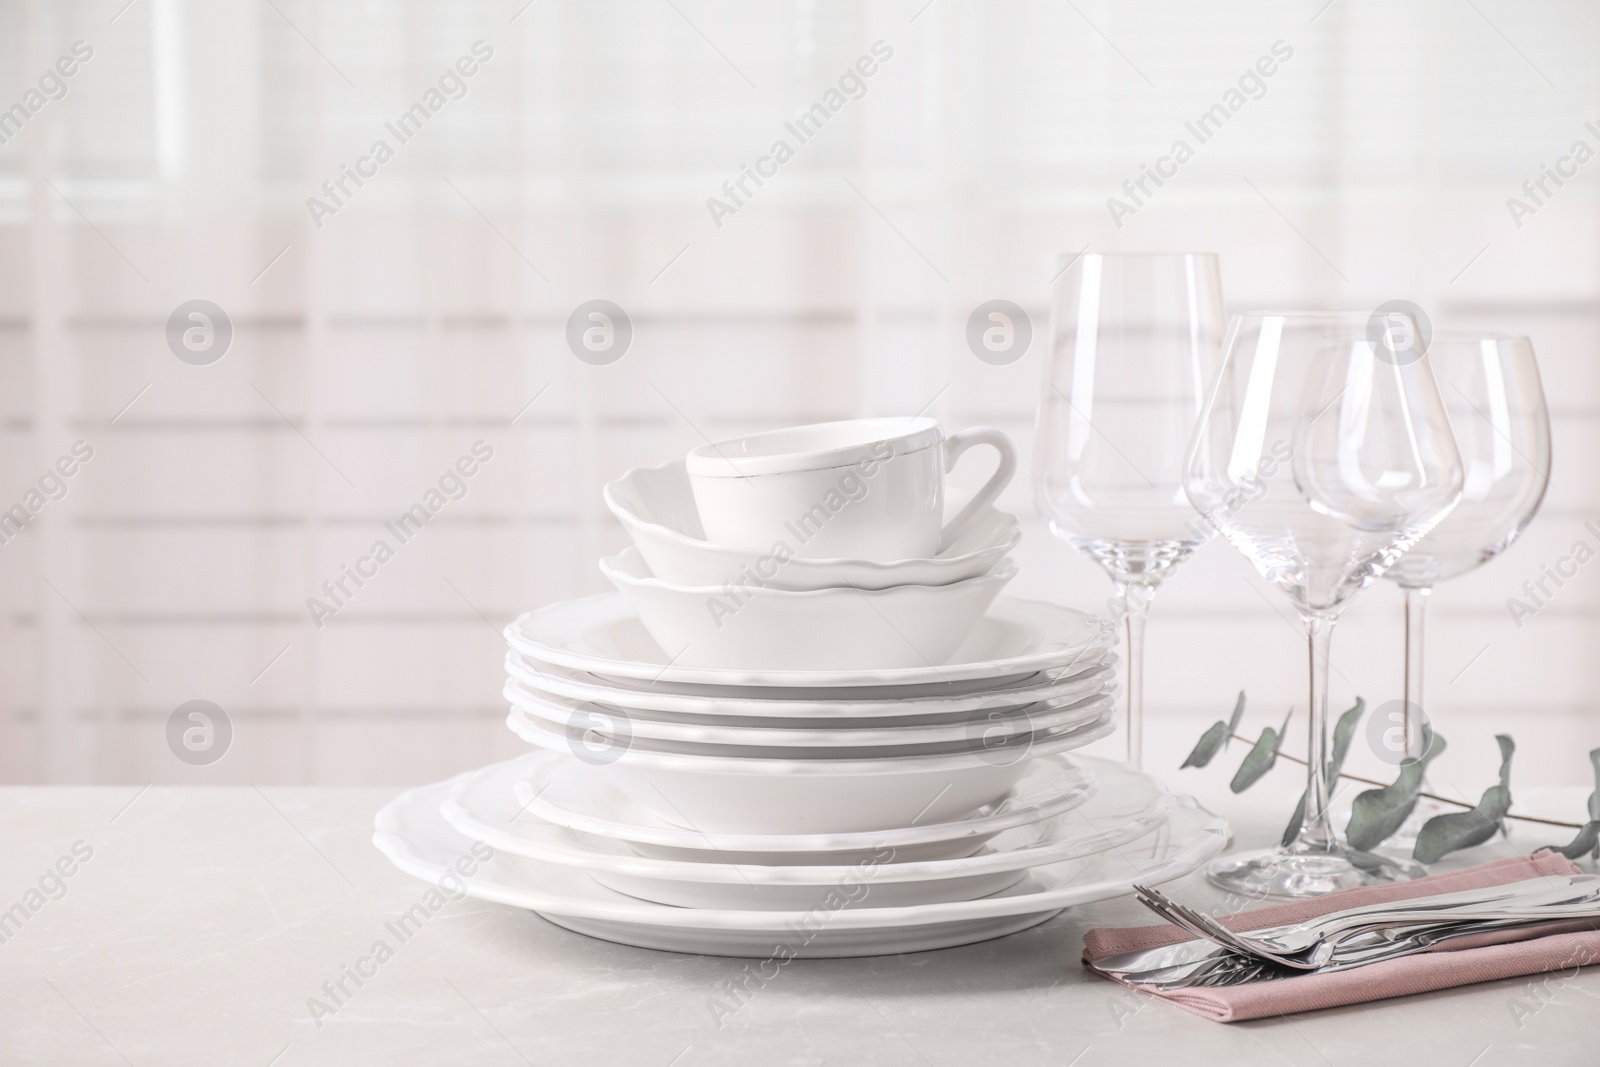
1224	967
1229	968
1309	945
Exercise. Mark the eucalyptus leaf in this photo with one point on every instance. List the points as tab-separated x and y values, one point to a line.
1377	813
1215	739
1262	755
1206	749
1343	731
1508	748
1594	798
1297	820
1456	830
1587	841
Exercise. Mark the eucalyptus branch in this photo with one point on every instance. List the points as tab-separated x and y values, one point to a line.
1431	796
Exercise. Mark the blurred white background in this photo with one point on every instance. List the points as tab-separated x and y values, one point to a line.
427	312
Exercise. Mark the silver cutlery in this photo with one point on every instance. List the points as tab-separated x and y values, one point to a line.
1350	938
1299	945
1226	967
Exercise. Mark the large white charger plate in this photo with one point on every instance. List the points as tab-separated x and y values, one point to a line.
732	794
415	837
569	793
1129	805
751	706
602	635
831	743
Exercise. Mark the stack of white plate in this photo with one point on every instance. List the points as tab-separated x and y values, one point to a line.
812	813
836	756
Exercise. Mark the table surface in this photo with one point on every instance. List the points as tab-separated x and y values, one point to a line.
197	924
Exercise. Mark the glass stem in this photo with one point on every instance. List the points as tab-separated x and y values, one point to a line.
1318	833
1416	609
1135	600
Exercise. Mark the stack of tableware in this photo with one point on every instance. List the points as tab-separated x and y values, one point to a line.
821	547
805	730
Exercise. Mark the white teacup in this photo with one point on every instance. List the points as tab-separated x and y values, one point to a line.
869	489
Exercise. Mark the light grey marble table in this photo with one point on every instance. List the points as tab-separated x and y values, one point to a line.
195	925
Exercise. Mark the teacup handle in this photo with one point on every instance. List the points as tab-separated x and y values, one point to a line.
954	446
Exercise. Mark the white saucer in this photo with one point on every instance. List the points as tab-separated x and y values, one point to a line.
753	706
412	833
484	806
601	635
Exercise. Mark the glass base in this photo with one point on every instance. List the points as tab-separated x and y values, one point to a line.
1280	872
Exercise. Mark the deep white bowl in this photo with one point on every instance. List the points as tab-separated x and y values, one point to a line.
656	507
566	792
820	629
716	795
484	807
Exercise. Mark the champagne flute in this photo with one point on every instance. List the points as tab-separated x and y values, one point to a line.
1491	389
1323	462
1133	343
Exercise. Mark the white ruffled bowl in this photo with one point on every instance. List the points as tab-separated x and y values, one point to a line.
821	629
656	507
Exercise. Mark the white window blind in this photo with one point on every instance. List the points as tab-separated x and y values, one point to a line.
371	352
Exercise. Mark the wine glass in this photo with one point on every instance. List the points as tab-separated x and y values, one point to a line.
1133	343
1323	462
1491	389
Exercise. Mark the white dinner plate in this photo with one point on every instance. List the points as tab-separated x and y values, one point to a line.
840	741
484	806
568	793
601	635
717	794
413	834
752	706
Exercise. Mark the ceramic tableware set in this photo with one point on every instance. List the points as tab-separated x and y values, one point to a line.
807	723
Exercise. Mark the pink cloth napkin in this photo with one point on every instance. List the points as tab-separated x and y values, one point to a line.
1457	963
